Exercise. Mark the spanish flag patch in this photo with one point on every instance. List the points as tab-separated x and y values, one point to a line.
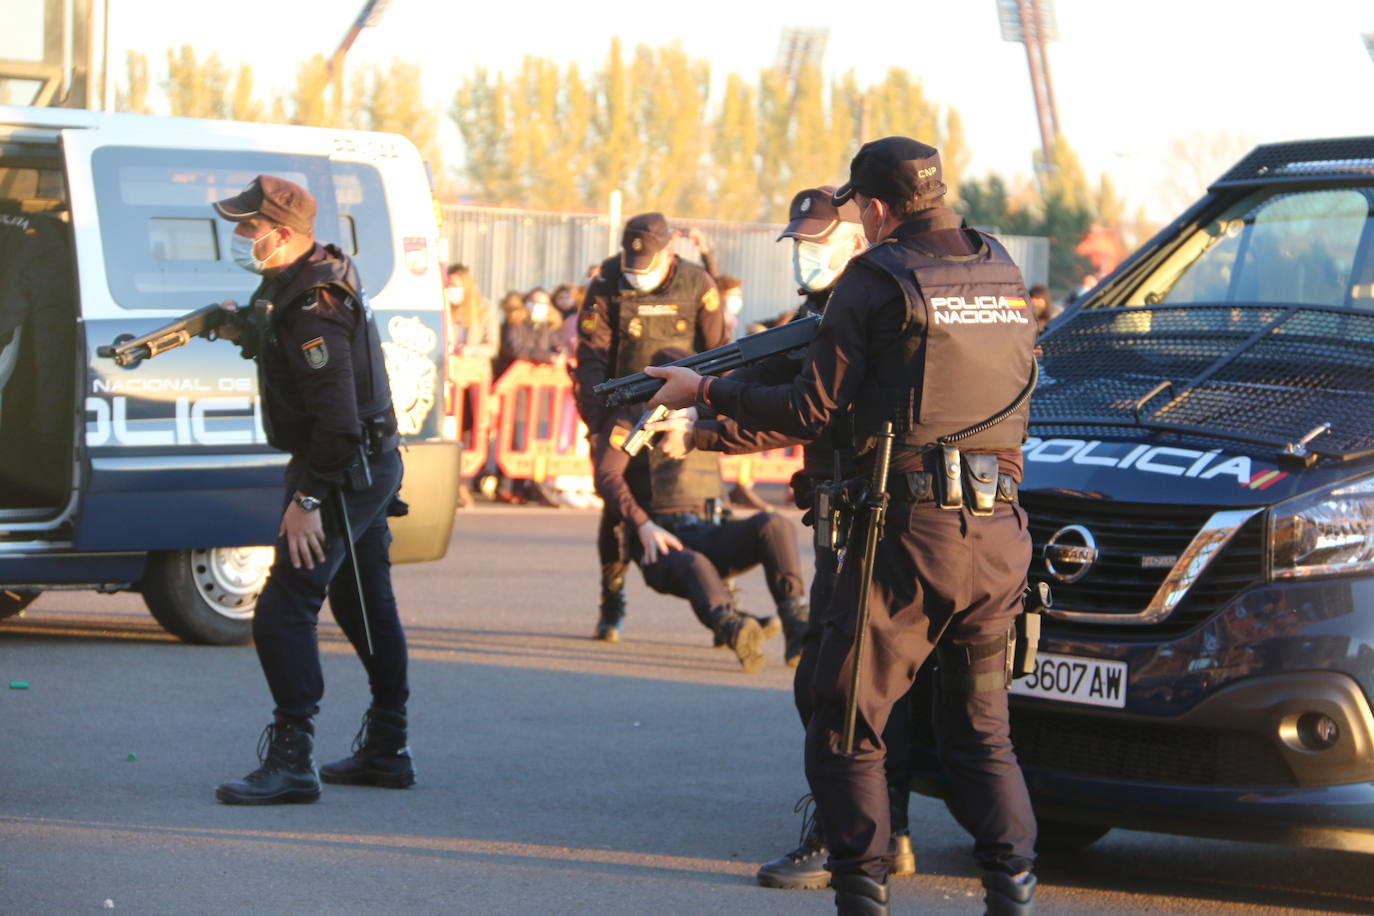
711	300
1014	303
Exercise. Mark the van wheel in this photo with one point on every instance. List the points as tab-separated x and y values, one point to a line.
206	596
1063	836
13	602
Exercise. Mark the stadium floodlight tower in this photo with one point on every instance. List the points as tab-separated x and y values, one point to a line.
1032	23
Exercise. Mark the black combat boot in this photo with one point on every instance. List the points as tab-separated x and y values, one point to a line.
796	619
612	611
1007	895
742	634
802	869
381	756
287	774
859	895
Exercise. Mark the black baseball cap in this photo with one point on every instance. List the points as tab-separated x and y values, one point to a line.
813	215
273	198
645	236
892	169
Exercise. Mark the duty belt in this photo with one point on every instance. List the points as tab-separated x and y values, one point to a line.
920	487
377	446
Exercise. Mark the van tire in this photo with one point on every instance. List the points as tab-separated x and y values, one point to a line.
13	601
1063	836
206	596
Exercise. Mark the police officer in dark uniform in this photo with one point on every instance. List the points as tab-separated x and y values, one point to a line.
824	237
326	401
642	300
685	547
928	330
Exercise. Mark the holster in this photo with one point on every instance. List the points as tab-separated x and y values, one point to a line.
949	487
831	529
1038	598
358	474
956	663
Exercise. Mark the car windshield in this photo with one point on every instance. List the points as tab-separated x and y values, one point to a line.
1308	247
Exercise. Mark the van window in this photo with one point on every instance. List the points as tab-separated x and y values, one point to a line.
1290	248
166	248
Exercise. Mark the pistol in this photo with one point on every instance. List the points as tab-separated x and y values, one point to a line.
639	436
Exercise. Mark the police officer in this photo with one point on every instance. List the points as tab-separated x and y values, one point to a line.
641	300
928	330
326	401
824	237
685	548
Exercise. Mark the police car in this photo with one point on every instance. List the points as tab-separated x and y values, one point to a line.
156	477
1200	485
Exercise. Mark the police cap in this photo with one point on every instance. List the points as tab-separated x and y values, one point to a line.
893	169
813	216
270	197
645	236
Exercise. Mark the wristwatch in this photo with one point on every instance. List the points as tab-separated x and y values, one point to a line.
307	503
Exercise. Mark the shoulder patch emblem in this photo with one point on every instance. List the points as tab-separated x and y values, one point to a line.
316	353
635	328
618	435
588	323
711	301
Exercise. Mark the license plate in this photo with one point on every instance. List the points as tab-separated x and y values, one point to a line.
1069	678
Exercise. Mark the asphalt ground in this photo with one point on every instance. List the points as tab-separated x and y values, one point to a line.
557	774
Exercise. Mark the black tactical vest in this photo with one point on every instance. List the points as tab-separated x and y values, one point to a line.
648	322
964	352
685	484
285	420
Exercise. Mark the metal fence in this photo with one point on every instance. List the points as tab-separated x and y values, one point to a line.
509	249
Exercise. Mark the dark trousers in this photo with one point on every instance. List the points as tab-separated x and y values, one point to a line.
611	549
284	626
716	552
938	575
897	732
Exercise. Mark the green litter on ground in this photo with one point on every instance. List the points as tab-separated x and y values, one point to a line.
19	685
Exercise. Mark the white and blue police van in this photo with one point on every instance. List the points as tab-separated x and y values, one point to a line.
157	477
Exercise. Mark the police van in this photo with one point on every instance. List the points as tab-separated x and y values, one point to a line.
156	477
1200	484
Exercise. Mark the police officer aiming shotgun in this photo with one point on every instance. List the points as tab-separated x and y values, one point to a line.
899	346
326	401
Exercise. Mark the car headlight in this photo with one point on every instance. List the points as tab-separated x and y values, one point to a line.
1327	533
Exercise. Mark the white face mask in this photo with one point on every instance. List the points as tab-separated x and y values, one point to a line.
539	312
815	266
734	304
242	250
651	279
454	295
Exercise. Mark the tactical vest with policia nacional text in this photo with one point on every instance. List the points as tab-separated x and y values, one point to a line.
645	323
285	419
964	352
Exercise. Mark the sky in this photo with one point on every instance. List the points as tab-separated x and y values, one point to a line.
1128	77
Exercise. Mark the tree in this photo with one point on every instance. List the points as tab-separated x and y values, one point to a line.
134	96
195	88
735	151
309	102
392	100
243	105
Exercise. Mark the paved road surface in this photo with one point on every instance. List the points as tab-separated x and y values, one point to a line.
557	774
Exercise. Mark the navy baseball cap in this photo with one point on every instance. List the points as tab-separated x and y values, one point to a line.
813	215
645	236
273	198
892	169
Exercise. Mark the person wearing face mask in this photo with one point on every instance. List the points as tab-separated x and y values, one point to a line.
475	329
531	332
824	237
641	300
327	401
902	346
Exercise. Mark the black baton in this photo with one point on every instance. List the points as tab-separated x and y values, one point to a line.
876	502
353	559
